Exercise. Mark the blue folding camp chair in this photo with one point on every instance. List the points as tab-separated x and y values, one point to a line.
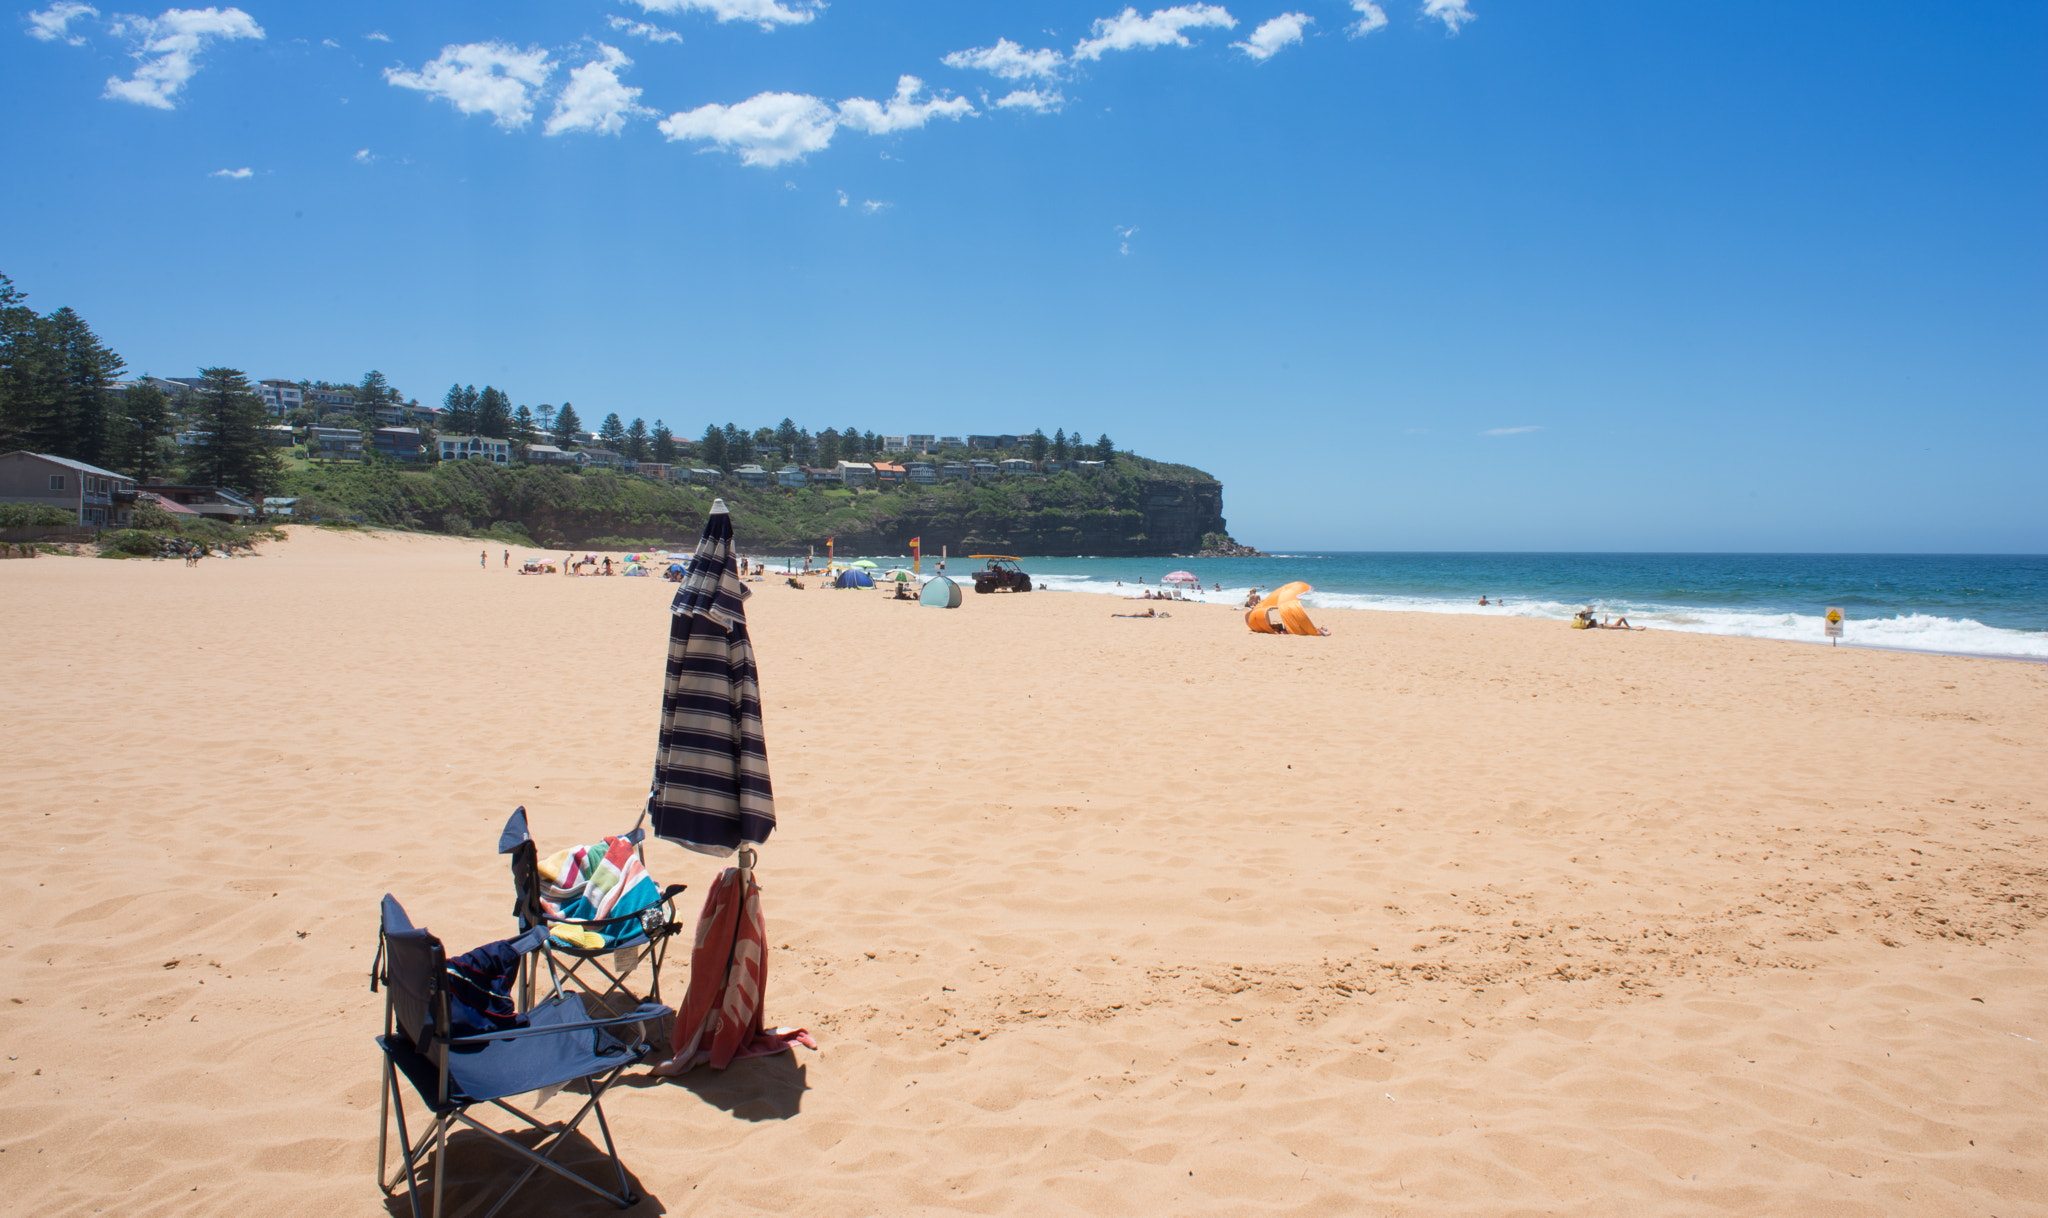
457	1054
642	935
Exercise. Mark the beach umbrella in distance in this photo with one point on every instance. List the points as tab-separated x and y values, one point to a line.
862	562
711	791
1180	577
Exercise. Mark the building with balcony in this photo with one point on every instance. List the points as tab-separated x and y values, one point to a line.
751	475
280	398
399	444
334	443
479	448
100	497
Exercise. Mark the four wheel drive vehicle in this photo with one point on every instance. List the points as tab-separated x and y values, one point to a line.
1002	574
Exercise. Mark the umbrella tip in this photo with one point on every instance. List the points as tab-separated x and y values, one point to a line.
718	507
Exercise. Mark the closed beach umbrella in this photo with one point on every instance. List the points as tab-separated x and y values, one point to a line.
711	791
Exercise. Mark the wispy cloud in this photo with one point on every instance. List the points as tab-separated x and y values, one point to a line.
765	13
363	157
642	29
378	36
595	99
482	78
167	51
843	200
1009	61
1038	101
767	129
53	24
1508	431
243	172
1124	234
1370	17
902	112
1127	31
1266	41
329	42
1453	13
871	207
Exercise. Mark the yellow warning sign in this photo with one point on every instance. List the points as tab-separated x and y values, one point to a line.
1834	626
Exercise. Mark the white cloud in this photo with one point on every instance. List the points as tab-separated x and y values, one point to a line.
482	78
363	156
378	36
329	42
1370	17
641	29
1281	31
766	13
1452	13
52	24
1008	60
167	50
1127	31
1035	100
902	112
595	99
842	198
1124	234
243	172
1508	431
767	129
871	207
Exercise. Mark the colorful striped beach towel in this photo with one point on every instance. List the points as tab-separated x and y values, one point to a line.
590	883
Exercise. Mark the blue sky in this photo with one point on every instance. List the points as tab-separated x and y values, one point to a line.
1415	274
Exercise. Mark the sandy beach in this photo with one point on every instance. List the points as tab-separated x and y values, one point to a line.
1434	915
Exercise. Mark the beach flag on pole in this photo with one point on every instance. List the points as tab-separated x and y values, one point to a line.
916	554
711	791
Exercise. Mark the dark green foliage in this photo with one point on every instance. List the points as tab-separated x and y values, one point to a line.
1105	450
523	430
664	443
636	440
375	391
34	516
232	450
1039	445
567	426
56	380
493	415
1059	444
711	449
461	405
611	433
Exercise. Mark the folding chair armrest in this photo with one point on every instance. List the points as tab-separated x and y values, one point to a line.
598	923
673	891
640	1014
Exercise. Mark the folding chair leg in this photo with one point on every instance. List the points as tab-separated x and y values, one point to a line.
440	1160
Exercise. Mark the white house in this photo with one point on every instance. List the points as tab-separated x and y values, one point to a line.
857	473
456	448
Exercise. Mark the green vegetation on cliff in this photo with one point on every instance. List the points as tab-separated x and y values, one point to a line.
1134	506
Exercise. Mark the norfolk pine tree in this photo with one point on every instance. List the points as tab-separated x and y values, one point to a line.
232	450
636	440
567	426
612	433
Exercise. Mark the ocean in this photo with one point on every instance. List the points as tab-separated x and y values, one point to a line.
1983	605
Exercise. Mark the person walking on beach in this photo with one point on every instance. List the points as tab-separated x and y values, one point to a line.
508	560
483	558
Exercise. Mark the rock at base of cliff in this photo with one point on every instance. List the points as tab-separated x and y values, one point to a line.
1220	545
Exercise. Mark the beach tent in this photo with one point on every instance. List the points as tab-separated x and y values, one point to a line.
940	593
711	791
854	577
1281	612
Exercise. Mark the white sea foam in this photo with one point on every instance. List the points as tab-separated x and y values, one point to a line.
1906	632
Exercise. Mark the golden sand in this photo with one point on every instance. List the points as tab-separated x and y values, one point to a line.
1435	915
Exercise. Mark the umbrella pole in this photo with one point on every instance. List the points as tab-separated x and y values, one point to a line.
746	862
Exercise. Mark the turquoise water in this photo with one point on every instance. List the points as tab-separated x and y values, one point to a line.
1994	605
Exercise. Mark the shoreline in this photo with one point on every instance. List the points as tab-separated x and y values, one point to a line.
1435	914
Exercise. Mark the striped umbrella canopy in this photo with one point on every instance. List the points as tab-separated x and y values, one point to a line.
711	791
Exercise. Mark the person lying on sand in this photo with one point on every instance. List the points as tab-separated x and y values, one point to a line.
1620	623
1147	613
796	583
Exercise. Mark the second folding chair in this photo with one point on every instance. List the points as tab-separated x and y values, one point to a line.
629	920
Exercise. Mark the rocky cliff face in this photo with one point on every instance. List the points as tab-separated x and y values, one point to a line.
1167	517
